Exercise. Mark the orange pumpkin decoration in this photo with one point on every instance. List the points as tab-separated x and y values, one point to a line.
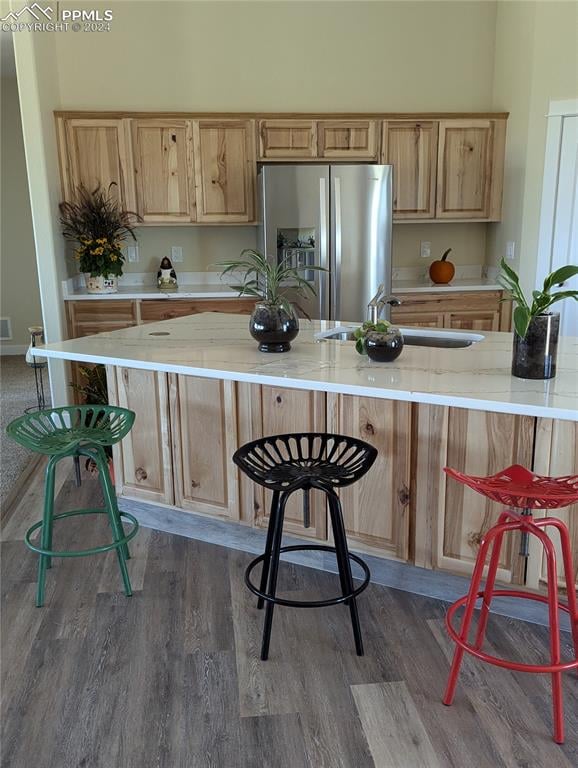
442	271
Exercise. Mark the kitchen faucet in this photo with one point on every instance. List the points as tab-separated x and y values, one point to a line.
378	302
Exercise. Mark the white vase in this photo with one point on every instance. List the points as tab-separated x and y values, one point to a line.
101	283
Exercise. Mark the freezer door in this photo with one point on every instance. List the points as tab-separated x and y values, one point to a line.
295	224
361	211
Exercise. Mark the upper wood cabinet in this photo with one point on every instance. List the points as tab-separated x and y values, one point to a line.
224	159
163	168
411	147
96	152
347	139
470	169
287	139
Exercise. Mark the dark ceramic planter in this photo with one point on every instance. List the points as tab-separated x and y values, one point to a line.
534	356
273	327
384	347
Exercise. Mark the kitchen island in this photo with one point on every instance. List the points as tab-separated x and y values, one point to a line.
201	388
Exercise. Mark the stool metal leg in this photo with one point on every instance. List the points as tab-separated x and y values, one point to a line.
112	509
104	459
45	561
272	587
268	545
344	566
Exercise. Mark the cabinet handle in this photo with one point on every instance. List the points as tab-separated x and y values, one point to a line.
140	474
403	495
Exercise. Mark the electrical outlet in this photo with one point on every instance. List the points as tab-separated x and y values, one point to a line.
425	249
511	250
132	253
176	254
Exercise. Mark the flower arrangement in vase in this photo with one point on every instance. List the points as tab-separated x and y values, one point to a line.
98	224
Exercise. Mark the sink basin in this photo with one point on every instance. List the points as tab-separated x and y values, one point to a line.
412	337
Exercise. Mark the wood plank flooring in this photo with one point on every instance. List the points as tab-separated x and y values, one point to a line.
171	678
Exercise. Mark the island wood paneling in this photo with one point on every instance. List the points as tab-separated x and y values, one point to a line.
376	509
265	411
145	469
411	147
204	438
449	519
556	455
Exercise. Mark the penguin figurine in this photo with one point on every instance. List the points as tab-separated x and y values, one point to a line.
166	276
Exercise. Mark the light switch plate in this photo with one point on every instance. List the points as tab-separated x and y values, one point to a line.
511	250
425	249
176	254
132	253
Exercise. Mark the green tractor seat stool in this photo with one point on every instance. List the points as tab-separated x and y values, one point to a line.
76	430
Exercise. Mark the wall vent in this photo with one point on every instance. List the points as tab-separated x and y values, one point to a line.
5	328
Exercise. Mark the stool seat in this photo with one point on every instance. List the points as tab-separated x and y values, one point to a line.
309	460
58	431
517	487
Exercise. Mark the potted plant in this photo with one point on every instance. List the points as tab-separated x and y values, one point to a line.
274	322
94	391
380	341
98	224
536	329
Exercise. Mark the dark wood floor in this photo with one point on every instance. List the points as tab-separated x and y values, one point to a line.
171	677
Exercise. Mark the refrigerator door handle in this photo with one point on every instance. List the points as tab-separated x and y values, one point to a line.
323	250
336	266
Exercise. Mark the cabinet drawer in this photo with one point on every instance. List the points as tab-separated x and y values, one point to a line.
98	310
449	302
89	329
167	309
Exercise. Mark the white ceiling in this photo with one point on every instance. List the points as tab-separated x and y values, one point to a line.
7	65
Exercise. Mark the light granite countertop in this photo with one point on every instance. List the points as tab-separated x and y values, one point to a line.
219	346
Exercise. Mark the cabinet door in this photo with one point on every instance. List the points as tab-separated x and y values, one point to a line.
145	454
287	139
418	319
275	411
163	170
204	437
411	147
224	159
449	518
473	321
464	169
347	139
556	455
376	509
96	152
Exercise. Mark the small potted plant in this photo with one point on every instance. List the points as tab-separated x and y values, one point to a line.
274	322
98	224
380	341
536	329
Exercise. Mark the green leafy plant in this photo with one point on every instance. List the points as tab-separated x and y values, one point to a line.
98	223
266	281
382	326
524	312
94	391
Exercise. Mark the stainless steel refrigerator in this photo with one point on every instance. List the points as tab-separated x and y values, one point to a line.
335	216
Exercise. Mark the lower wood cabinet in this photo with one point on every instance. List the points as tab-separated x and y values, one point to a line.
143	461
203	440
450	519
376	509
461	310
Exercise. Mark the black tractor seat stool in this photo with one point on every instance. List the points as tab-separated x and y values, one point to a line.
288	463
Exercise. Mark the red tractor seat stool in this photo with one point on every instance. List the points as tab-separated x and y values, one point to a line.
517	487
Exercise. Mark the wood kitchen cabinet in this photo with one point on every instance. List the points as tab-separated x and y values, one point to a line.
287	139
224	158
96	151
143	461
470	169
163	168
376	509
204	438
264	411
450	519
347	139
411	147
460	310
